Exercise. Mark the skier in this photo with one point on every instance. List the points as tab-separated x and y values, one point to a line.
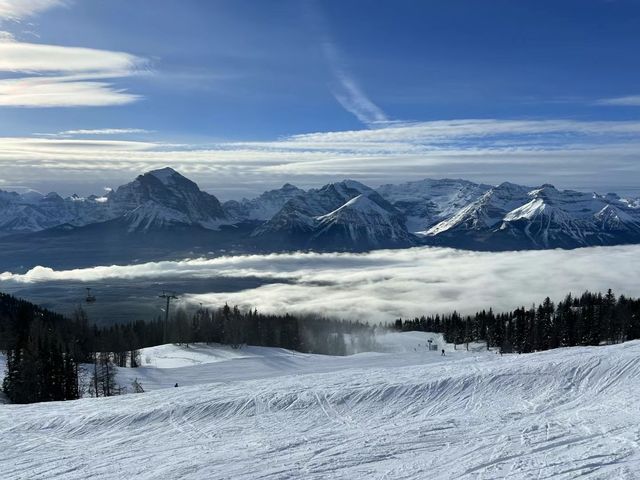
443	353
176	385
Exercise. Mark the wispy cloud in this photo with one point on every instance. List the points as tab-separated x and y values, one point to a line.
18	9
46	92
40	75
627	101
388	283
569	153
348	92
94	132
35	57
345	88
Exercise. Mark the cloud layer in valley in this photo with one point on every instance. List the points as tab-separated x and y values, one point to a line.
383	285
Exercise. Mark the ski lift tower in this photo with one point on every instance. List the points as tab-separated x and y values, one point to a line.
168	296
90	298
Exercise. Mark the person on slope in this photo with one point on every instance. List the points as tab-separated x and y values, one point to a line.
442	353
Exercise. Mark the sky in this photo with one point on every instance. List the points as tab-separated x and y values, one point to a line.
245	95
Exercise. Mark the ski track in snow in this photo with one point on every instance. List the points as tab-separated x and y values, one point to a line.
270	414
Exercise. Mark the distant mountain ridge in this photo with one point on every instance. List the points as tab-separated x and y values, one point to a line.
346	215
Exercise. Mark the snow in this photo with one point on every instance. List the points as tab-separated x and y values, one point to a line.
152	213
426	202
177	356
487	211
299	211
548	213
366	219
192	365
266	205
447	208
273	414
360	205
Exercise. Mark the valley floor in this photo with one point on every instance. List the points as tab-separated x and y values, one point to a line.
271	414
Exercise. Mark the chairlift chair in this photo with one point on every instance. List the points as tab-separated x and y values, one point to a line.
90	298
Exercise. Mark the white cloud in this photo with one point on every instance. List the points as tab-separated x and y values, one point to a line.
33	57
106	131
346	88
628	101
96	131
43	92
348	92
354	100
18	9
568	153
387	283
62	76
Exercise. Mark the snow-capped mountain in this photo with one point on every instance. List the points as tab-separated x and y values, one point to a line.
512	216
427	202
364	222
32	212
158	199
298	216
263	207
164	198
485	212
346	215
343	215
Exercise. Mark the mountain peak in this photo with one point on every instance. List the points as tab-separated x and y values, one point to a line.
360	203
510	187
347	182
365	221
165	175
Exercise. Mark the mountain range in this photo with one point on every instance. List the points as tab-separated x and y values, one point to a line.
163	207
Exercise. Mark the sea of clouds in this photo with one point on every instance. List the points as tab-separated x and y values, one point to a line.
385	284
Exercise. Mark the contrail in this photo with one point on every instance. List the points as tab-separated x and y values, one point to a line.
345	89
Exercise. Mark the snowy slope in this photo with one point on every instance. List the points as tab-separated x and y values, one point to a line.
426	202
366	221
518	217
32	212
264	206
165	365
564	414
485	212
297	219
163	198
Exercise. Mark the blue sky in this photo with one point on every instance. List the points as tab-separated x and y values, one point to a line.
243	95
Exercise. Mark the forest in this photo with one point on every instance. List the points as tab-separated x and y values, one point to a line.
48	355
590	319
52	357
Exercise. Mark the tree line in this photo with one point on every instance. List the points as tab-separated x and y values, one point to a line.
45	350
588	319
53	357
